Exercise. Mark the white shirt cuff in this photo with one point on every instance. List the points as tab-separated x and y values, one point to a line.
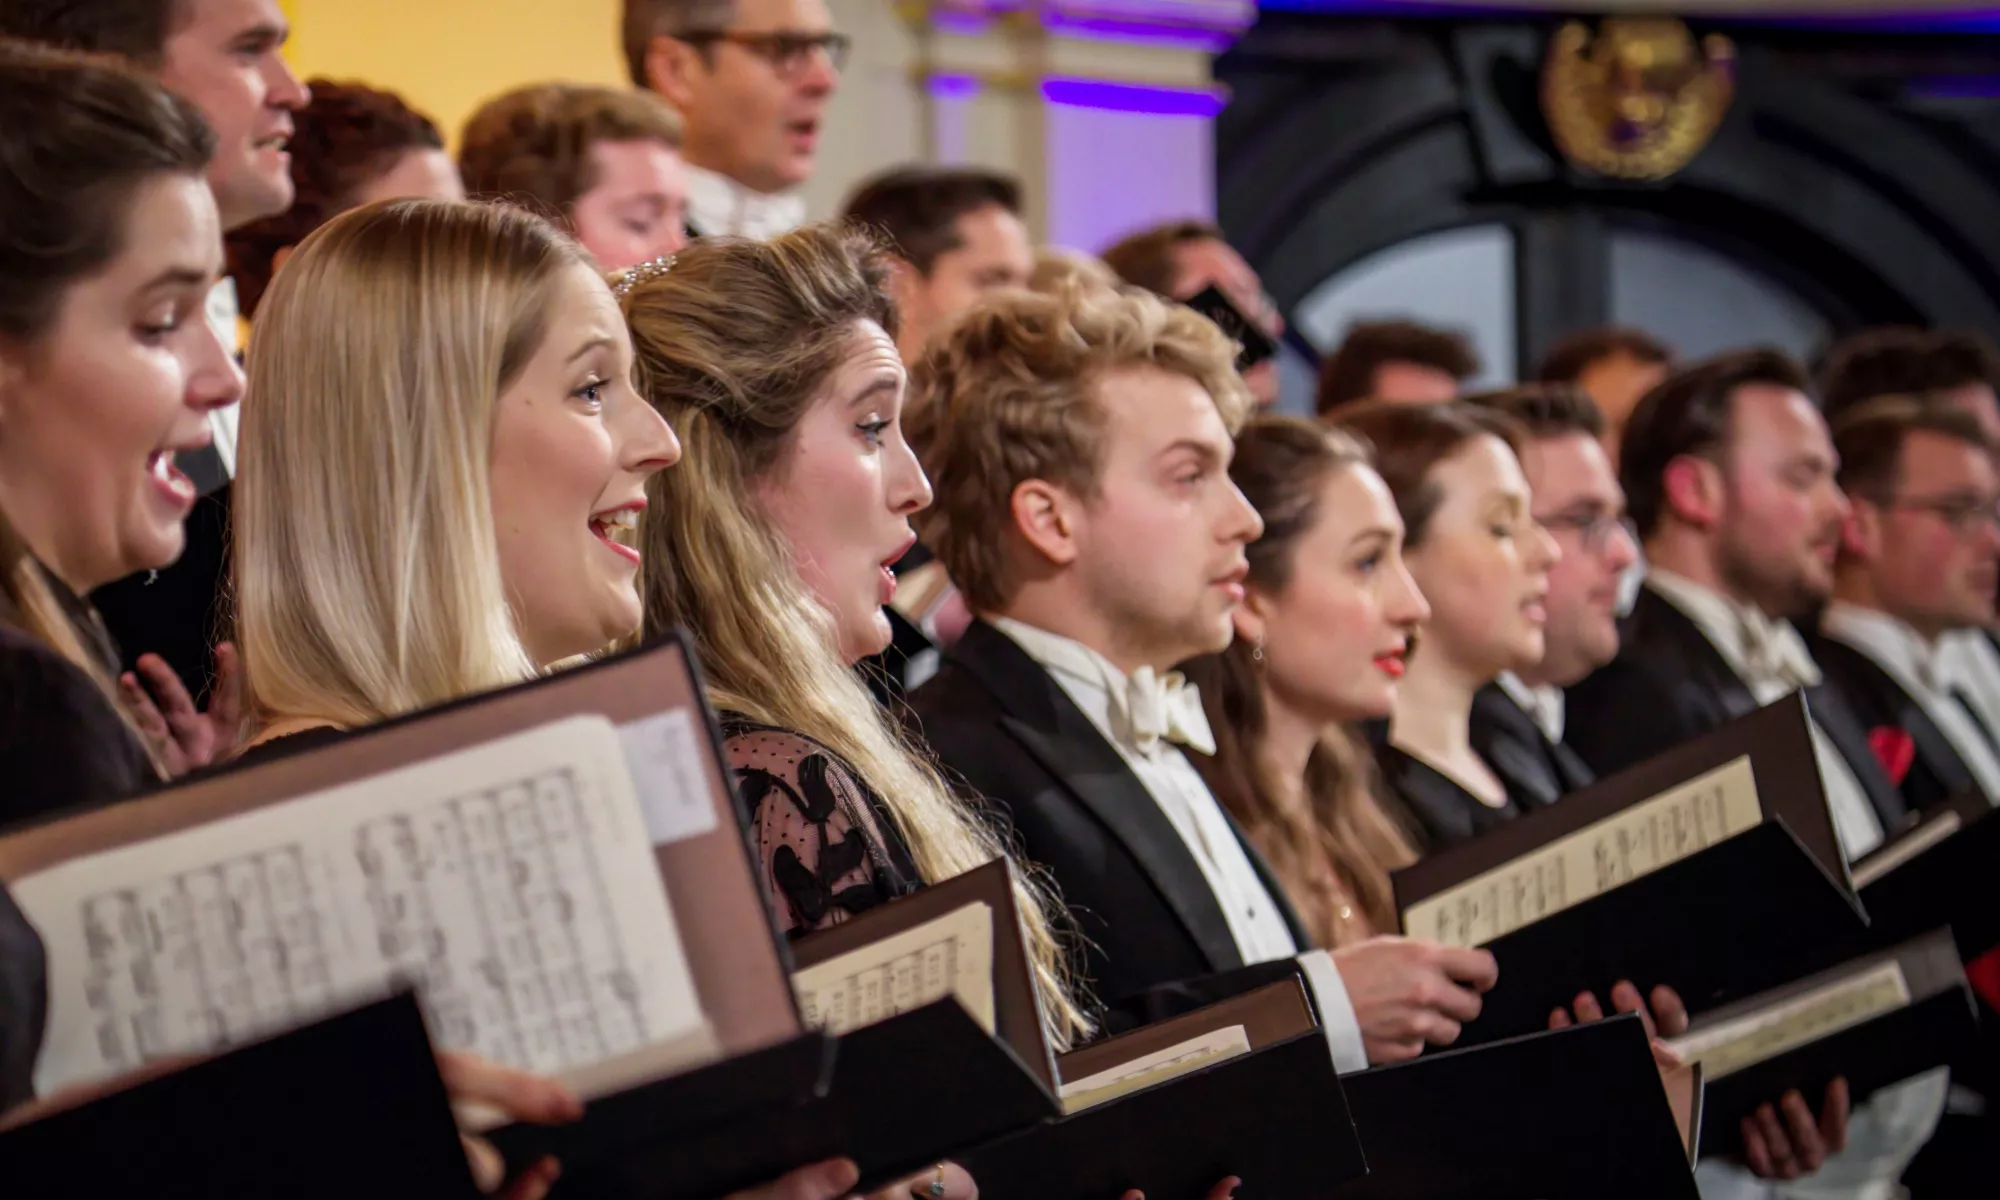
1336	1012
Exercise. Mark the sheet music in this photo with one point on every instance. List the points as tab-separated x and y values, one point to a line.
513	883
1171	1063
1618	849
1760	1036
951	955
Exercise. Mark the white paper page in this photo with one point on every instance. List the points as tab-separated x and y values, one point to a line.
1757	1037
951	955
1157	1067
513	883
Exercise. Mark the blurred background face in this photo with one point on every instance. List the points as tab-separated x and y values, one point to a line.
1979	400
224	58
1483	564
416	175
1336	635
994	253
1617	383
753	110
1207	262
1578	501
842	496
92	413
1160	547
573	446
1779	528
1934	544
636	208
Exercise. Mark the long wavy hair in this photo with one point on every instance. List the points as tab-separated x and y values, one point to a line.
1341	839
367	566
735	344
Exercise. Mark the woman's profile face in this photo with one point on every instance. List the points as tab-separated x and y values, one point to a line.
93	412
573	446
842	494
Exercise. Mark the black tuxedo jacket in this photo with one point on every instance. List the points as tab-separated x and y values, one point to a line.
1150	923
1536	771
1669	684
1937	772
182	614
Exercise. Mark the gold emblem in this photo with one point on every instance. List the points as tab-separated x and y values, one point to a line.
1638	100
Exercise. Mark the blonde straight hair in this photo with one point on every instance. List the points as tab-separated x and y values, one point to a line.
735	344
367	567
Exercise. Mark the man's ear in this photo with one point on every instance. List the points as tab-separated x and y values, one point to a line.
905	285
1692	488
1861	531
671	67
1048	518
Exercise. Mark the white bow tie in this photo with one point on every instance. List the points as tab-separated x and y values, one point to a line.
1165	707
1773	650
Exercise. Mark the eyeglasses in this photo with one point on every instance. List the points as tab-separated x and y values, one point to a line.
1963	514
1593	530
787	51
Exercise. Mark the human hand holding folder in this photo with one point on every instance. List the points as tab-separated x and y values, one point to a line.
1408	993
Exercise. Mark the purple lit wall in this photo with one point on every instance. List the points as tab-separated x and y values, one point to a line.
1121	160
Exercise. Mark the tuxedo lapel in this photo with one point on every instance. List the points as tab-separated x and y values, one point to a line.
1835	719
1654	619
1513	747
1039	715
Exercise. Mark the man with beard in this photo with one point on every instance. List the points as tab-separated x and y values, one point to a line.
1729	471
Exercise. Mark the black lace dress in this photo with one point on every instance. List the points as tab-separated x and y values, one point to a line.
828	847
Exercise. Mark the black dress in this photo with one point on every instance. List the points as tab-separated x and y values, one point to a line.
826	843
1434	808
63	747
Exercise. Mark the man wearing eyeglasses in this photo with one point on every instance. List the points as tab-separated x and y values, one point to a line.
1919	559
1517	724
751	79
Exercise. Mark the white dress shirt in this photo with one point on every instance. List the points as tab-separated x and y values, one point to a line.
1544	703
1773	662
719	206
1975	666
222	312
1927	671
1148	746
1885	1132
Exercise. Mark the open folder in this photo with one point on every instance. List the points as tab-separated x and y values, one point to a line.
1573	1114
559	869
1244	1087
346	1106
1874	1021
940	1034
1713	868
1939	872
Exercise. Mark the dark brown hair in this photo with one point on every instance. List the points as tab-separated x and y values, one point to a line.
1343	840
1146	258
1869	438
1689	413
1904	362
1569	358
645	20
79	138
1410	439
1546	410
917	207
348	137
1348	374
135	30
533	144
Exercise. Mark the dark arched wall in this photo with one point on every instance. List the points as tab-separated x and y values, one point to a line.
1830	173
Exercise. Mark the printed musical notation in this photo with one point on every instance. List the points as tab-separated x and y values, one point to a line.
1171	1063
951	955
510	884
1731	1045
1616	850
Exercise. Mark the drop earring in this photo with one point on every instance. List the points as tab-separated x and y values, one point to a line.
1257	651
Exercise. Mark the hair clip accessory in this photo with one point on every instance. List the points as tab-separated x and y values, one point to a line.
642	273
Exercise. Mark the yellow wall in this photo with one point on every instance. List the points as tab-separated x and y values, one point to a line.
446	56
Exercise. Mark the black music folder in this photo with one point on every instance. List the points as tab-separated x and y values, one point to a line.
1875	1021
1941	872
348	1106
1713	868
1573	1114
941	1046
1245	1087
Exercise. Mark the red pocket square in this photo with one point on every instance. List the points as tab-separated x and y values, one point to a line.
1894	750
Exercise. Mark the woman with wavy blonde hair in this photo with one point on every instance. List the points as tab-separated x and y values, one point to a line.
776	364
433	484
